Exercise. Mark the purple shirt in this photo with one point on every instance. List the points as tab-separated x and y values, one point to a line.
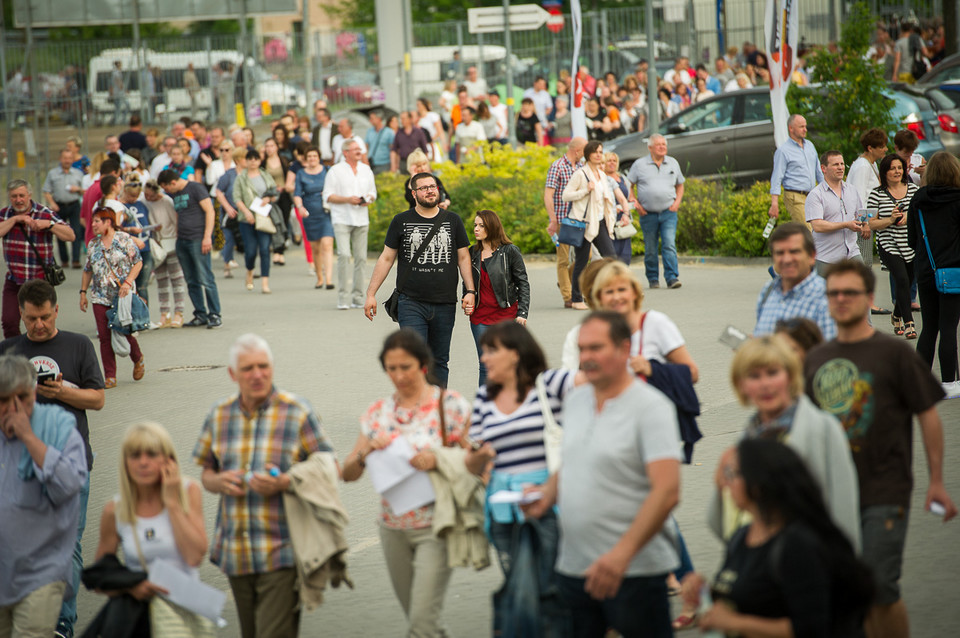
404	143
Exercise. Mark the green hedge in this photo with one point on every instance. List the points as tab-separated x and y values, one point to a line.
715	218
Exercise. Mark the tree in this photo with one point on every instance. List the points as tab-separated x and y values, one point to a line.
850	98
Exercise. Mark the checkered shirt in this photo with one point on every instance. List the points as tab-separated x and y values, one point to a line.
807	299
22	263
558	176
251	535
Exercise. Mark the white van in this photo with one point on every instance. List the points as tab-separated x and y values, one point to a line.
430	66
175	99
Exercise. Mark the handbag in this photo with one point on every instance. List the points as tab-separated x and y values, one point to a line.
52	272
572	230
947	280
552	433
264	224
624	232
158	251
392	304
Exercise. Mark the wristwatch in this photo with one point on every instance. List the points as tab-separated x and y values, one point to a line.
469	292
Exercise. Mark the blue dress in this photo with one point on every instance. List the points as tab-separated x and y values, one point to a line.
310	189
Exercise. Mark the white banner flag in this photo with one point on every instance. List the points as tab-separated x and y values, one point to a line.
781	36
578	120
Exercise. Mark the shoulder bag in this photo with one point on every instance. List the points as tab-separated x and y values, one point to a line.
392	304
572	230
52	272
946	279
552	432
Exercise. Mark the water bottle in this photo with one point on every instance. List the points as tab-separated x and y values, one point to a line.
769	227
556	240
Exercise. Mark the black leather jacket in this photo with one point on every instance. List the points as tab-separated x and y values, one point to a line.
508	276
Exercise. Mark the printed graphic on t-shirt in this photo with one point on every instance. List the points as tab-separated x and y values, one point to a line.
842	390
45	365
181	200
439	252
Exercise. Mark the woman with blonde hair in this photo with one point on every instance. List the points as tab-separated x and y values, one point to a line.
611	166
157	514
418	162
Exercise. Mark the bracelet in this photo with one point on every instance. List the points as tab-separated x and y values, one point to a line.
128	282
469	292
83	291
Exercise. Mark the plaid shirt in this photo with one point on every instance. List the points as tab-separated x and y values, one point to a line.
251	535
22	263
807	299
558	175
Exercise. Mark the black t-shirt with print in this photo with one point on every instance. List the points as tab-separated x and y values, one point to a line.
527	128
874	387
434	278
67	353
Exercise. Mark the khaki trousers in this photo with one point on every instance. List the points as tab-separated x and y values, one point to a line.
268	604
794	203
564	272
34	616
417	563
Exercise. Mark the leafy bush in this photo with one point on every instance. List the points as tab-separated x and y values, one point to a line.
699	215
739	232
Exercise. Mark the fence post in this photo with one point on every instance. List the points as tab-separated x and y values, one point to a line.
594	38
6	104
604	42
305	51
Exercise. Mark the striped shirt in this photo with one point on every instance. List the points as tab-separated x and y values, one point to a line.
893	239
251	535
518	437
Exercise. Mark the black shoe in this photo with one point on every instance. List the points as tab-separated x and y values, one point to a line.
654	284
214	321
196	322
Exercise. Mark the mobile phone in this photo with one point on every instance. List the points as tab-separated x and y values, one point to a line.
732	337
46	376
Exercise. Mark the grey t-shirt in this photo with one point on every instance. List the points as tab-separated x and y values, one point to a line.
603	479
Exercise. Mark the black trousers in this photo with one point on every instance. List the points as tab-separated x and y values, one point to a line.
581	256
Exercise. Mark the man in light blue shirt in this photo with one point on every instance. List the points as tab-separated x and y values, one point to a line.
379	139
796	170
43	466
797	290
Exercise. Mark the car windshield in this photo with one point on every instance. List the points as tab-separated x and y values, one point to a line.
707	116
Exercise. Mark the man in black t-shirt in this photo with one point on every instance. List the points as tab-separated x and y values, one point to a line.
874	384
68	376
428	284
194	242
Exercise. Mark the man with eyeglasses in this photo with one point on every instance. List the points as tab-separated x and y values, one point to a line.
831	210
426	274
347	191
796	290
875	384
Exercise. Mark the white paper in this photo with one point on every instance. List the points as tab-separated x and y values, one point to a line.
508	497
389	466
257	207
403	486
187	591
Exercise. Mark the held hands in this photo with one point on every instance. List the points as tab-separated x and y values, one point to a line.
468	302
50	389
266	484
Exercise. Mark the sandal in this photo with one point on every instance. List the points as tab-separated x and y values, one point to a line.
686	620
910	330
897	324
177	321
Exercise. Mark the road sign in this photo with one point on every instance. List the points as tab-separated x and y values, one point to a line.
555	21
523	17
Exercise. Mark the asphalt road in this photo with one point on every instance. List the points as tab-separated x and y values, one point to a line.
329	356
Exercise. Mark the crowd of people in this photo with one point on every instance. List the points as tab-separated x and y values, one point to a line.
812	503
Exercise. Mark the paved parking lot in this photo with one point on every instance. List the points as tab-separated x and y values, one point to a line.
329	356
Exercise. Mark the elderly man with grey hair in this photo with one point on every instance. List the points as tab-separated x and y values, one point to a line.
43	466
348	191
247	465
659	191
27	228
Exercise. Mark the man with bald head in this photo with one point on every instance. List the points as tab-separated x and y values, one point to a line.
345	133
796	171
558	176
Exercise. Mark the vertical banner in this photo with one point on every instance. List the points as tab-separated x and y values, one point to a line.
780	30
578	121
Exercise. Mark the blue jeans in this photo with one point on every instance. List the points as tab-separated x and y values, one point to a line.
433	322
255	241
686	563
229	243
68	611
143	279
199	275
639	609
660	235
70	213
478	329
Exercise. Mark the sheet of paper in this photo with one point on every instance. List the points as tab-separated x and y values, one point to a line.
187	591
508	497
257	207
389	466
410	493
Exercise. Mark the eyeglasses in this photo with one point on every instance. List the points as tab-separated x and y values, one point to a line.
833	294
225	150
426	189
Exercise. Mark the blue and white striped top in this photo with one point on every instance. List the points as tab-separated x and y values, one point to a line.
518	437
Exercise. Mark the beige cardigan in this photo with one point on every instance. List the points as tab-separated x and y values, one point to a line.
458	510
577	192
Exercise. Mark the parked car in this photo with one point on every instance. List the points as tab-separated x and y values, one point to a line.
947	70
946	97
730	135
356	86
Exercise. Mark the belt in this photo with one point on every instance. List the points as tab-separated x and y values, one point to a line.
790	190
61	204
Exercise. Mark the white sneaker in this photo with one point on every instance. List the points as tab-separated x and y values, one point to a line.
952	389
343	306
233	264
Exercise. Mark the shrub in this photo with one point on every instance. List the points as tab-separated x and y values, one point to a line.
699	216
739	232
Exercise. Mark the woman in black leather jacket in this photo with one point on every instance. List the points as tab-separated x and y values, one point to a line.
500	277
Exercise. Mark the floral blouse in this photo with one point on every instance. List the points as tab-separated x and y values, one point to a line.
421	427
110	266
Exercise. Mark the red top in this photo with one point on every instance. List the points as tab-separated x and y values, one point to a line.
488	311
